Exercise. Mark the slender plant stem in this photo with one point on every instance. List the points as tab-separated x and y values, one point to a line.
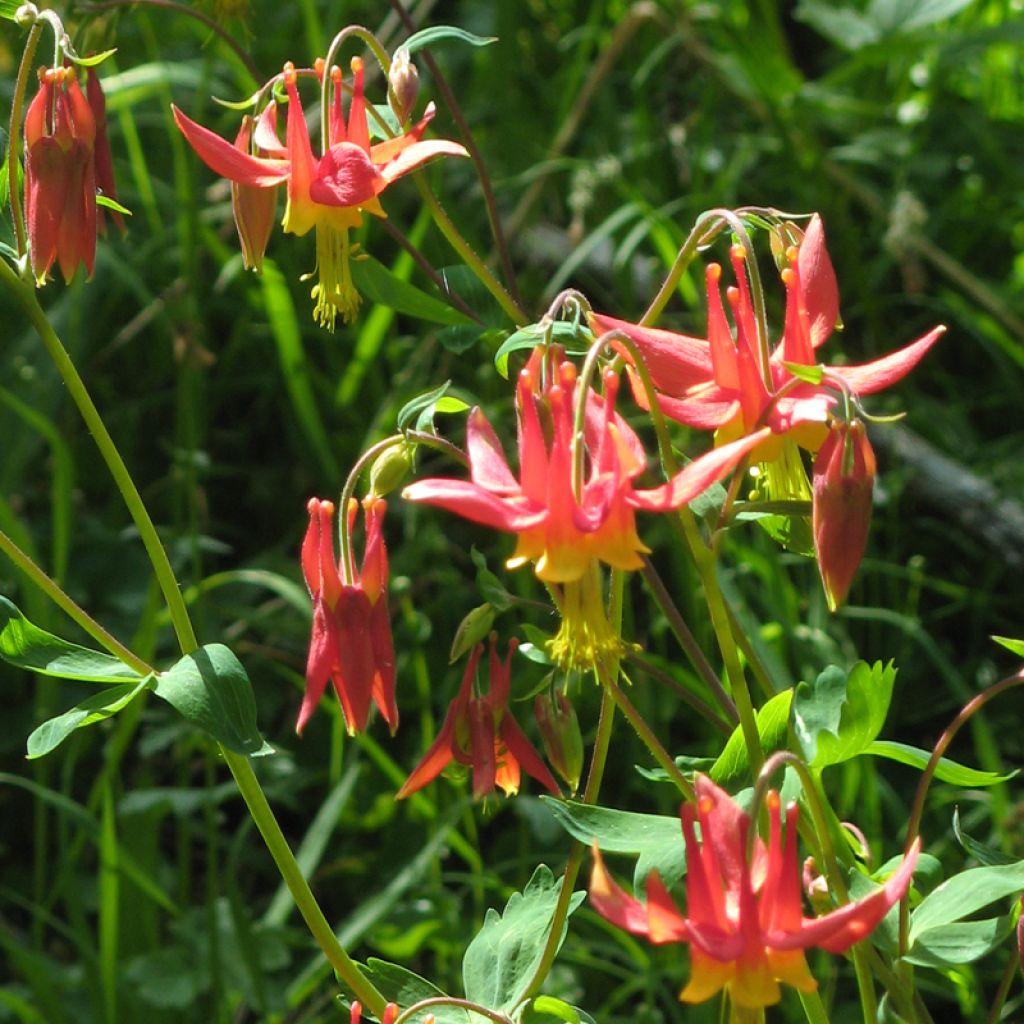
465	250
54	592
701	707
466	134
343	964
704	559
917	808
240	767
598	760
650	740
14	134
25	296
687	640
465	1004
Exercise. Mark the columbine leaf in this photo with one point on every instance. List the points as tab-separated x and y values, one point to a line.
401	986
95	708
112	204
92	60
962	895
562	331
434	34
26	646
772	725
209	688
946	770
503	956
839	716
981	852
422	408
656	838
1016	646
376	283
810	374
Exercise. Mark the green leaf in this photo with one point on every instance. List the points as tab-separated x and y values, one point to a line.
772	726
399	985
946	770
840	715
956	944
95	708
810	374
489	585
112	204
92	60
434	34
561	331
26	646
375	282
961	895
982	852
423	407
209	688
548	1009
897	16
656	838
503	956
9	8
1016	646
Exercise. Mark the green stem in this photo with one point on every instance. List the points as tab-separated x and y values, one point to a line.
650	740
465	250
598	760
814	1008
249	786
345	967
704	559
465	1004
14	134
53	591
25	296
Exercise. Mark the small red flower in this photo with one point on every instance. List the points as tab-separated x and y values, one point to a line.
331	193
720	384
351	642
60	176
480	732
745	922
844	478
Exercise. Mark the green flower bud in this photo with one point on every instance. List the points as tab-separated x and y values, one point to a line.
472	630
560	732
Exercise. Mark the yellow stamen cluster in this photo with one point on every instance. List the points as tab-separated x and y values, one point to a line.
334	292
586	639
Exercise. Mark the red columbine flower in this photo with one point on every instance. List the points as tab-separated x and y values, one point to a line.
104	161
331	193
566	536
844	477
721	384
480	732
745	922
60	176
351	642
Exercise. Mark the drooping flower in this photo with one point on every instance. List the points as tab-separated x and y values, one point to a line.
563	533
480	733
561	736
329	194
351	641
60	176
844	478
722	384
745	922
254	208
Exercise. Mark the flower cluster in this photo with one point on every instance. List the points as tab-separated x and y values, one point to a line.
328	194
563	527
67	161
735	386
745	924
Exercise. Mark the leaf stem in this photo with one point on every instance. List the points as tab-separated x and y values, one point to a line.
74	611
263	816
24	294
14	134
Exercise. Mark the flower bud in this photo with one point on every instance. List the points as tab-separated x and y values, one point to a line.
389	469
844	478
472	630
560	733
404	80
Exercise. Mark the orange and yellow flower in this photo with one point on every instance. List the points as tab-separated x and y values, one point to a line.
745	922
329	194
